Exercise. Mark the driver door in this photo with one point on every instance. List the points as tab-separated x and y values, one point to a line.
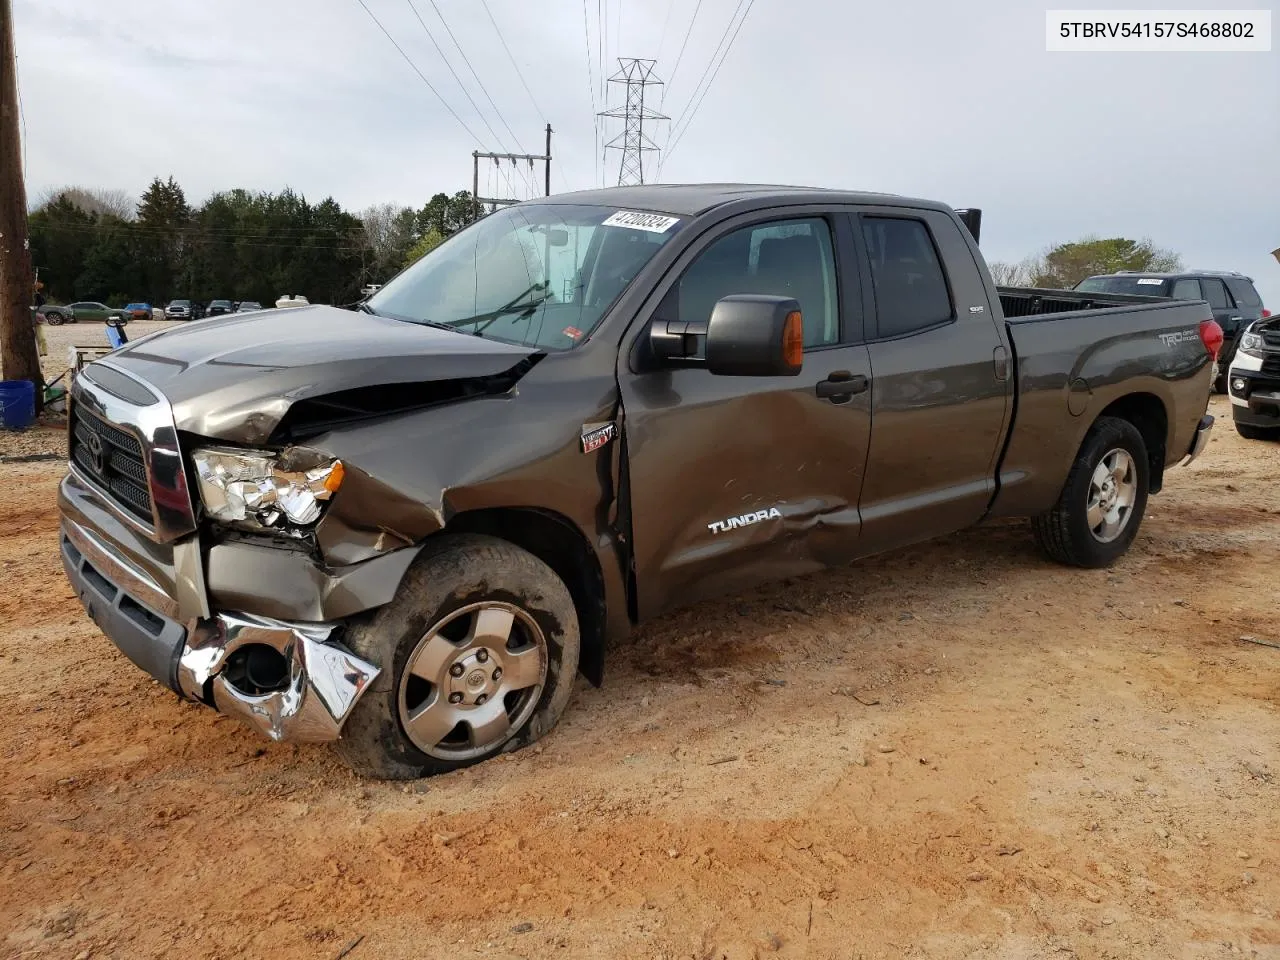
738	480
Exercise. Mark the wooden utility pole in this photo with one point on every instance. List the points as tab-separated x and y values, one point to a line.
19	357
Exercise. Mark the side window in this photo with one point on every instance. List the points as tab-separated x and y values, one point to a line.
1216	294
1186	290
786	258
1244	293
910	287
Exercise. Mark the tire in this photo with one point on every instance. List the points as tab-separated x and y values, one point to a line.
54	318
1065	532
1257	433
433	623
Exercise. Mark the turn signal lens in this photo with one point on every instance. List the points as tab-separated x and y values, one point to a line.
1211	334
334	480
793	340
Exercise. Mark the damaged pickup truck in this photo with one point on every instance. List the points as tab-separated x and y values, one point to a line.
408	528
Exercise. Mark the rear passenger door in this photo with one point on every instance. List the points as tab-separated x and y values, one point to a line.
1228	317
941	382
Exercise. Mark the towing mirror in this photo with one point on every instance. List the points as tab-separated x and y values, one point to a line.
748	335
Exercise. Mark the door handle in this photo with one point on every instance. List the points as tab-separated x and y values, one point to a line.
841	385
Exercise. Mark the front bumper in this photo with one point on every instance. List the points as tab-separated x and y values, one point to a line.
319	683
1256	403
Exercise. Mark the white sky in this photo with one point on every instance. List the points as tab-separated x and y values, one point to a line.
951	101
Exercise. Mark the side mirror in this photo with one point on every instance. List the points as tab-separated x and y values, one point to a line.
748	335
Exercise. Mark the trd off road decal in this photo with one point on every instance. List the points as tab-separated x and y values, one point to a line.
596	435
744	520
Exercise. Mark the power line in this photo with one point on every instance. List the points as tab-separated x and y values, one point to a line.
479	82
421	75
591	89
430	36
671	77
511	57
532	99
692	113
662	37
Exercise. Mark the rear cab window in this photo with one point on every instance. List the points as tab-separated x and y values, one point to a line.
910	286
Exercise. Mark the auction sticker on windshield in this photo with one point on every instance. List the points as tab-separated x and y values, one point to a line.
1151	280
649	222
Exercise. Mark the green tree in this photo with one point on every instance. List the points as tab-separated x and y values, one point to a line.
423	245
1063	266
162	222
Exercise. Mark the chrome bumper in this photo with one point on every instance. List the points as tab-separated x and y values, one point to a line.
322	682
1201	439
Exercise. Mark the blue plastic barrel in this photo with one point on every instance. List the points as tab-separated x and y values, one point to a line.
17	404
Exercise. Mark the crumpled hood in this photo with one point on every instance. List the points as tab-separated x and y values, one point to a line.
234	377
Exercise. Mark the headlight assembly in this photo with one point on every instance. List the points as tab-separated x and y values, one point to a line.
252	486
1251	343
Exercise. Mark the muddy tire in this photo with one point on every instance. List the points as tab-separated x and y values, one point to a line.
1101	505
478	652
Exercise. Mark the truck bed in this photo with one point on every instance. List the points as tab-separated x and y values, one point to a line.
1076	354
1020	302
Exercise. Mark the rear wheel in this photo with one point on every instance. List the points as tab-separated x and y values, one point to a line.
1257	433
478	651
1101	505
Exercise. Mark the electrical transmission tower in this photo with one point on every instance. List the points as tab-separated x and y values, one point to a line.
634	144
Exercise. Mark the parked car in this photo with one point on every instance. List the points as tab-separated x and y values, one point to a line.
1254	381
412	525
54	314
137	311
248	306
1232	296
80	311
217	307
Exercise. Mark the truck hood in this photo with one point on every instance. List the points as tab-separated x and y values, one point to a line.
236	377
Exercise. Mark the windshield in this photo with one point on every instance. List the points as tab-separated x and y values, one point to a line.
1142	286
180	303
537	275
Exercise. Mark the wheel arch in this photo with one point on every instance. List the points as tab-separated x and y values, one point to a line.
1150	416
556	541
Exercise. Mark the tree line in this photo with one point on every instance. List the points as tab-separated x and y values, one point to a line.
239	244
1062	266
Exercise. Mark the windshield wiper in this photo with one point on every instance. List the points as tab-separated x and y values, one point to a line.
514	305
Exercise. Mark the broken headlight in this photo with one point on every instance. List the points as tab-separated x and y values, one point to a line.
262	488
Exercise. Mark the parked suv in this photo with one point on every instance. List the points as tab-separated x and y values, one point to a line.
1232	296
1254	381
217	307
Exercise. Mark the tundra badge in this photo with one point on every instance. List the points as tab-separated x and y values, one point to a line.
744	520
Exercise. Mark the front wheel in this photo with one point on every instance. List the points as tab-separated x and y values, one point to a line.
55	319
478	651
1101	505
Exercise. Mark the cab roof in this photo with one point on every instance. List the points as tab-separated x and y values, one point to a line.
692	199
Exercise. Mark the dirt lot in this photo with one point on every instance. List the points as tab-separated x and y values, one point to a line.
957	750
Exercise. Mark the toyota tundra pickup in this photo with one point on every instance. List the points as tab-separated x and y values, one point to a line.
408	528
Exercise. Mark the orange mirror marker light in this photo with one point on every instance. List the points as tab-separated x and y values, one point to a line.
793	340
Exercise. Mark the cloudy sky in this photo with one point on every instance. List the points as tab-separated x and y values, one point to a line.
951	101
